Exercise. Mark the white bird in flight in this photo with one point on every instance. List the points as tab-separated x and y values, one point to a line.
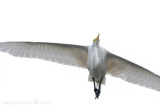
95	58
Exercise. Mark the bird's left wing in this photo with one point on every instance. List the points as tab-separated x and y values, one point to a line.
131	72
62	53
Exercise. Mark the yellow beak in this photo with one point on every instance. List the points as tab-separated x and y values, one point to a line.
96	39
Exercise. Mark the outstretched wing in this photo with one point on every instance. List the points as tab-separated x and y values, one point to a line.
131	72
62	53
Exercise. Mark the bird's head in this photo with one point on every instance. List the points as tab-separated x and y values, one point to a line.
96	40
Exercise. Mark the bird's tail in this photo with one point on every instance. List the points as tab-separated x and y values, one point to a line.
91	80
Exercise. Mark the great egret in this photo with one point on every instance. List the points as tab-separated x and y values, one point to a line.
95	58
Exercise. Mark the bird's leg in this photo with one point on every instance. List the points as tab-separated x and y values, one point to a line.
94	82
97	91
100	85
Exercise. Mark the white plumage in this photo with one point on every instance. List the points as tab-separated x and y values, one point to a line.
61	53
95	58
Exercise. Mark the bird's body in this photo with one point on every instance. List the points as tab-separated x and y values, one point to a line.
96	63
95	58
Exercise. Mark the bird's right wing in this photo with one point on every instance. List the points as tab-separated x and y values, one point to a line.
131	72
62	53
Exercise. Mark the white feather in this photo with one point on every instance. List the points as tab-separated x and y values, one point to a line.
131	72
61	53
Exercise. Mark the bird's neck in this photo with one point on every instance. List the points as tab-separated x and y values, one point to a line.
95	45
